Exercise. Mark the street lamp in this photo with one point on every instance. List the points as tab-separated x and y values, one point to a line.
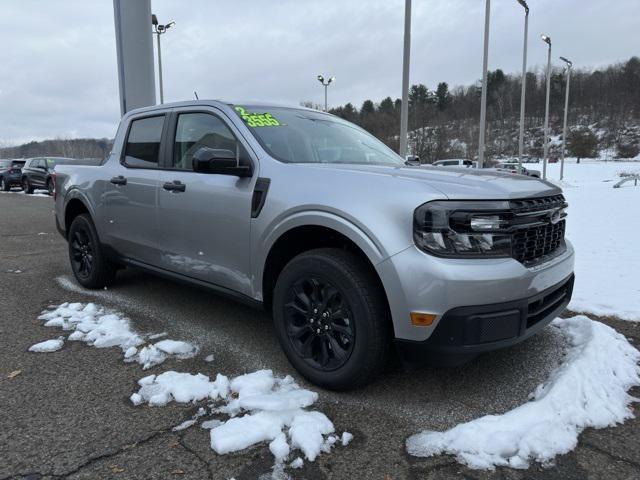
524	80
483	100
325	85
546	40
566	110
159	30
404	106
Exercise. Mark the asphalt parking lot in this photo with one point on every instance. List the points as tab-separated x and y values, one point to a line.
68	414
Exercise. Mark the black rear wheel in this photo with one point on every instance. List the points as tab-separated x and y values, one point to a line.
331	318
50	187
26	186
89	263
4	185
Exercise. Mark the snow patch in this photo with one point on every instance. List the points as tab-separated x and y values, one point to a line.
261	407
48	345
96	326
589	389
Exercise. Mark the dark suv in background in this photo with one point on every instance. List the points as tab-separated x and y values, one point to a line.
37	173
10	173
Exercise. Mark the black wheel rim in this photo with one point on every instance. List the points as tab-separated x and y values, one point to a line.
319	323
82	253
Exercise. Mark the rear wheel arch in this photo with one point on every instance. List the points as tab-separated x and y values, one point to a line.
74	207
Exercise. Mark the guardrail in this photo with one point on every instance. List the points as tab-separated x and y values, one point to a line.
628	178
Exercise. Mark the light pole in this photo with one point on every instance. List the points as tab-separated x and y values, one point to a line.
325	85
524	81
483	100
159	30
566	110
404	106
546	40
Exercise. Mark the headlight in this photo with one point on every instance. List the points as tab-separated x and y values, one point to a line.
463	229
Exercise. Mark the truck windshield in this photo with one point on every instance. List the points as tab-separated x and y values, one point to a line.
302	136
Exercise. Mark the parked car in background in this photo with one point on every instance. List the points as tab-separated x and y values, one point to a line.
37	173
456	162
10	174
516	168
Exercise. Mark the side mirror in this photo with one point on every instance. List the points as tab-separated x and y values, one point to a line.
220	161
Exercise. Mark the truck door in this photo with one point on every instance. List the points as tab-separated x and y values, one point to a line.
131	192
204	218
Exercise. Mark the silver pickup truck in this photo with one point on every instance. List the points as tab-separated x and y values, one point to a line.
358	255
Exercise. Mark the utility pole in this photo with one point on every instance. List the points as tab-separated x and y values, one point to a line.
483	100
159	30
404	107
524	81
325	85
546	40
566	110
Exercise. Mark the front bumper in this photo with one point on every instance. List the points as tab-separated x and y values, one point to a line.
464	332
417	282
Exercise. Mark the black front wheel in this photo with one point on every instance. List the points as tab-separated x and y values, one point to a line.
89	263
331	318
50	187
4	185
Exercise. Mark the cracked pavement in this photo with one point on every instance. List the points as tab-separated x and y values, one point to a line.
67	414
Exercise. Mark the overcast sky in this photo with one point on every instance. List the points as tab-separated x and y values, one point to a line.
58	73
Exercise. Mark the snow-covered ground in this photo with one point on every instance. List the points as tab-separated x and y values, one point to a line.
589	389
604	227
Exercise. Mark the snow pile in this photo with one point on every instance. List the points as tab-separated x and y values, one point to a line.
263	408
589	389
96	326
48	346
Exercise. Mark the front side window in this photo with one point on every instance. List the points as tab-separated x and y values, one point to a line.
302	136
143	143
197	130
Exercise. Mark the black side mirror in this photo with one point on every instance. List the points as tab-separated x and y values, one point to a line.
220	161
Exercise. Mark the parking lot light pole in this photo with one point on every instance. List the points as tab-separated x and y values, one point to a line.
483	99
524	81
546	39
566	110
325	85
159	30
404	106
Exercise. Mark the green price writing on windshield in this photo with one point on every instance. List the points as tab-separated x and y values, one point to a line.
257	119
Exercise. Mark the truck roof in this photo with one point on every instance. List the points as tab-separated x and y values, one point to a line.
214	102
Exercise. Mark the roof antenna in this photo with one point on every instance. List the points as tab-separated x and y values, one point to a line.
196	94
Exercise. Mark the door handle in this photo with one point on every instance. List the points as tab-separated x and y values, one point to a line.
119	180
175	186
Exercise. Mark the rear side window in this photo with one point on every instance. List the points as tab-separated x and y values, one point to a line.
143	143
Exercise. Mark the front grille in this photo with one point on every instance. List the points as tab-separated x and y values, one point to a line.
529	205
535	236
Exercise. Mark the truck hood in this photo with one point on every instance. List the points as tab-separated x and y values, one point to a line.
455	183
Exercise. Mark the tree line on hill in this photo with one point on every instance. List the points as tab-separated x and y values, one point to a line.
604	114
70	148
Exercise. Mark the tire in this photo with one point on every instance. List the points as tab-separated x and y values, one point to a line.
89	263
4	185
26	186
356	324
50	187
